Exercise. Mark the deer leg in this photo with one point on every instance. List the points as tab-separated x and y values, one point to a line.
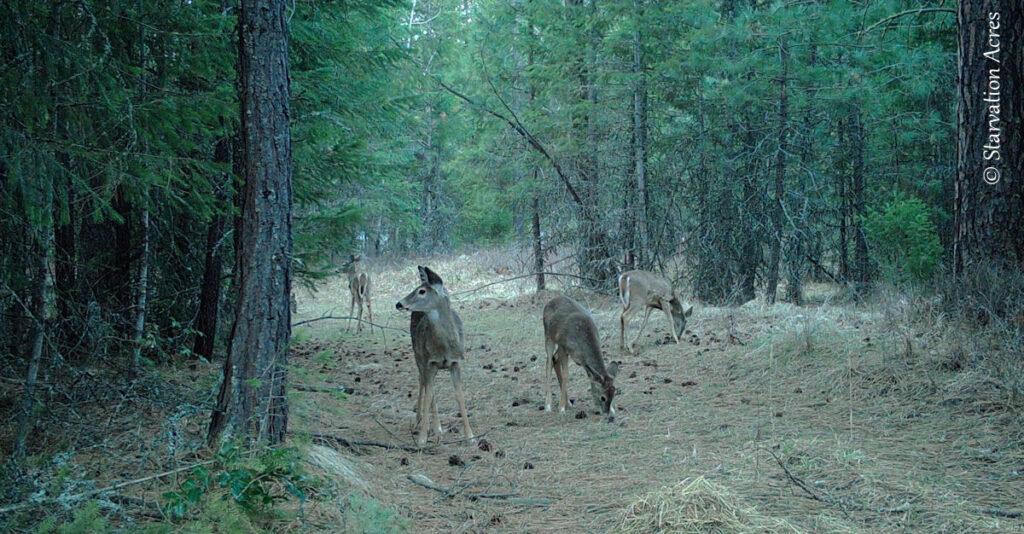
426	402
562	372
549	347
622	326
457	383
647	315
433	413
671	323
359	320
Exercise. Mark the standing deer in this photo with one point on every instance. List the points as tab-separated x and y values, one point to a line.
438	344
569	331
642	289
359	286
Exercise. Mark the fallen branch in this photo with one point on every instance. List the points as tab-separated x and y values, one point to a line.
422	480
354	445
324	389
325	317
79	496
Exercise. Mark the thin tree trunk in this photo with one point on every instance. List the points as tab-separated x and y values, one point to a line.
751	255
40	308
861	265
209	296
538	245
642	251
252	405
141	285
844	209
780	176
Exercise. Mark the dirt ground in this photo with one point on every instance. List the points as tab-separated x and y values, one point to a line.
829	417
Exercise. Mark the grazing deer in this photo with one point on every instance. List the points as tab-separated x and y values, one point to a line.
359	286
437	343
570	332
642	289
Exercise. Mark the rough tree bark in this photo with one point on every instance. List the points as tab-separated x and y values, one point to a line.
252	405
989	189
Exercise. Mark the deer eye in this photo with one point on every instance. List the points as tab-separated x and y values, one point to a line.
604	399
423	292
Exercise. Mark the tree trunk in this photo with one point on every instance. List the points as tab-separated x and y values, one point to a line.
41	315
844	208
642	252
252	405
772	282
141	285
795	263
989	192
209	296
861	262
595	254
750	252
538	244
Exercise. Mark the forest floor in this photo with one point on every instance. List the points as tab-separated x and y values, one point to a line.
825	417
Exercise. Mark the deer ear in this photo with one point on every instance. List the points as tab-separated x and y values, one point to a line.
688	311
423	273
431	277
613	369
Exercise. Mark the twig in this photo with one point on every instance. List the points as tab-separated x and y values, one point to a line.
354	445
386	429
324	317
324	389
510	497
528	275
918	11
60	499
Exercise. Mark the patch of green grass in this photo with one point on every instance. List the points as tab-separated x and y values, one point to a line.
364	514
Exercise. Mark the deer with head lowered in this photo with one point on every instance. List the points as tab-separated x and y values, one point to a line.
359	286
437	343
648	291
570	332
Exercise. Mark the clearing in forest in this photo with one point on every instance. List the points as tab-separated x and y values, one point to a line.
826	417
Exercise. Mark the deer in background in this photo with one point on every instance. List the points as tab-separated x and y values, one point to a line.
437	342
570	332
359	286
646	290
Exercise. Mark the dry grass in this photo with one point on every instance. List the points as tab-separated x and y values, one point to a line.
696	506
855	401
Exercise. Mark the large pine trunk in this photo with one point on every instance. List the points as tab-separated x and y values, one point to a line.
989	193
252	405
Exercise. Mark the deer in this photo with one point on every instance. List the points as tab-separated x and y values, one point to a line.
437	342
570	332
646	290
359	286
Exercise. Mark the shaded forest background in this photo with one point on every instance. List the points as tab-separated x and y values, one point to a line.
743	148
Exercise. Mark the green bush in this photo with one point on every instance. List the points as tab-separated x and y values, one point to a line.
254	484
87	520
903	239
